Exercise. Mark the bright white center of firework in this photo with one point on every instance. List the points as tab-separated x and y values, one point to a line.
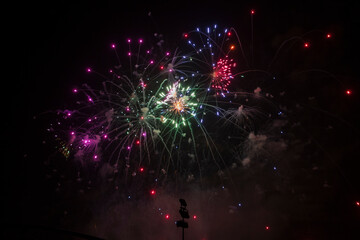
178	105
176	98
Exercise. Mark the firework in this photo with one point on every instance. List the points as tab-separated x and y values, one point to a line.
222	75
119	120
160	108
213	51
178	104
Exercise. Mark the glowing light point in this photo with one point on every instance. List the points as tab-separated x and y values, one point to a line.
252	11
167	53
141	169
72	133
357	203
152	192
328	35
75	90
140	40
186	35
232	47
229	34
138	142
194	217
113	45
267	227
129	40
306	44
348	92
88	69
167	216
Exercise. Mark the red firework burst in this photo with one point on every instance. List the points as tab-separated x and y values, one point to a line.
222	74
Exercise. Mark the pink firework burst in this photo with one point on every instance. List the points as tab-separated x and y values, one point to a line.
222	74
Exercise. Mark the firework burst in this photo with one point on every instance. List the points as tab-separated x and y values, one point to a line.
161	105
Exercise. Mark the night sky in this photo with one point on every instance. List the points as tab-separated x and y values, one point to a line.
315	191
